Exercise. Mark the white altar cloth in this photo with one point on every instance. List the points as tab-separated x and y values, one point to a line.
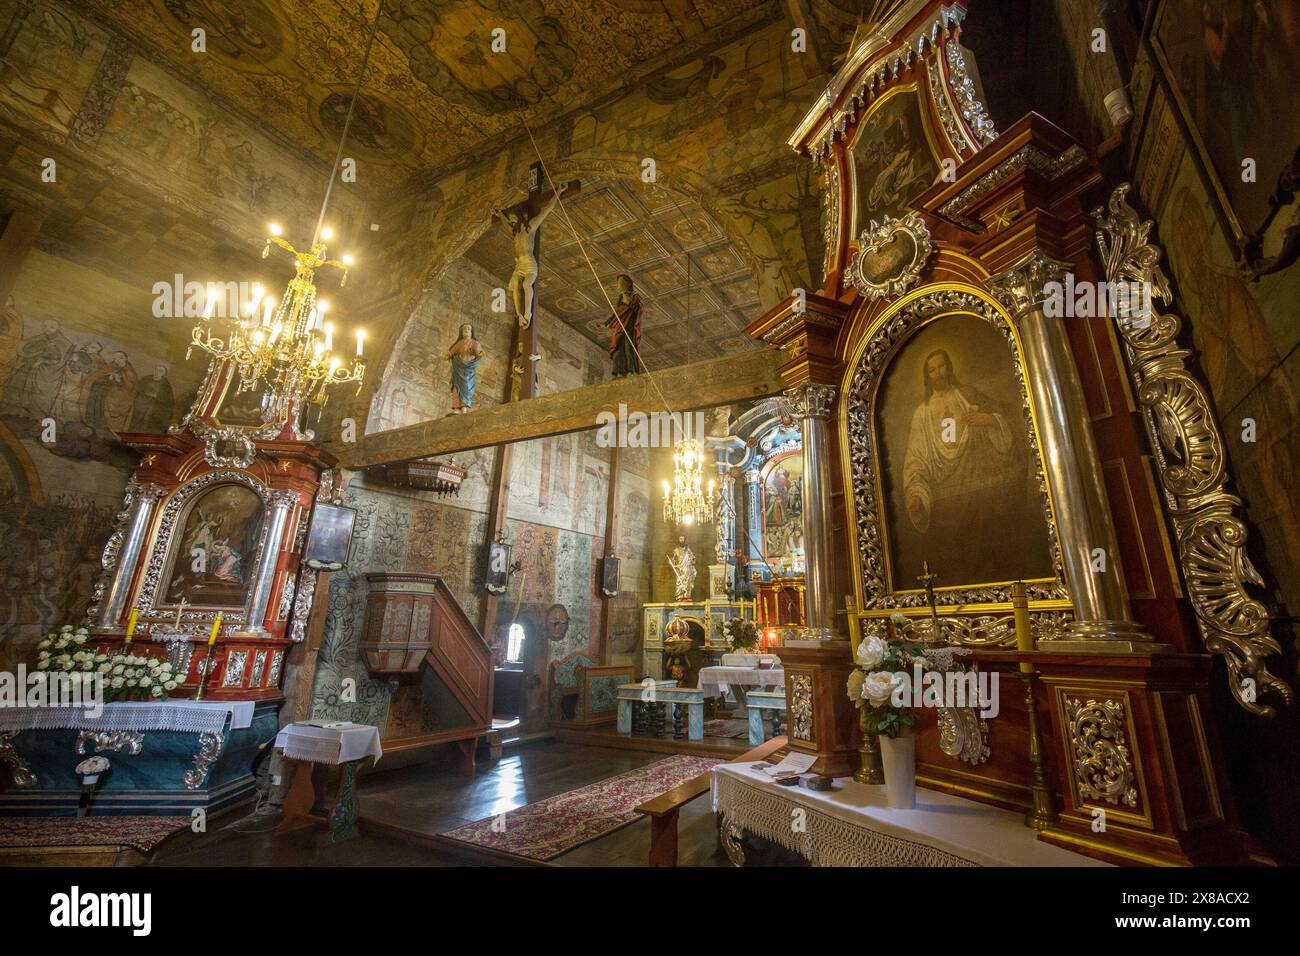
337	744
185	716
714	680
852	825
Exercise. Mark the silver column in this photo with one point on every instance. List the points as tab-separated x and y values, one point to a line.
141	500
1089	550
812	403
280	504
753	522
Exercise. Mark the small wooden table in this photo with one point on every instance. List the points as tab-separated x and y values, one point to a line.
344	745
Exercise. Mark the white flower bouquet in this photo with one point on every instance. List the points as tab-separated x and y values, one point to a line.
883	664
126	676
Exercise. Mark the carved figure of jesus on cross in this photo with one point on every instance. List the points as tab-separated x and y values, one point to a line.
524	220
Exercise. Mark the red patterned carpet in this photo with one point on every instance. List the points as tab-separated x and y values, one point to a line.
544	830
142	833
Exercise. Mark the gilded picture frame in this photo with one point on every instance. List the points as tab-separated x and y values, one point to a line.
888	102
877	594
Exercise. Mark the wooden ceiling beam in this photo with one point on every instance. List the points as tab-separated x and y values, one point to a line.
720	381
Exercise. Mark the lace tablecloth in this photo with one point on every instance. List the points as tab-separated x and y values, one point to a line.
337	744
186	716
851	825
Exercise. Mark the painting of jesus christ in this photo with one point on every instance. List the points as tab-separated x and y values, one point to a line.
959	482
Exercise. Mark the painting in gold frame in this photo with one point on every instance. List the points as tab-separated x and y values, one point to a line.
211	564
1231	67
865	363
894	157
958	483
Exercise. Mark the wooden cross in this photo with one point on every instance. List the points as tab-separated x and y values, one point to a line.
529	213
927	581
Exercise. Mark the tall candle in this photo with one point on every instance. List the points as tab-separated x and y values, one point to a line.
216	626
1024	635
130	624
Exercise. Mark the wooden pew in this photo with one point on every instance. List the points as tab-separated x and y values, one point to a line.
664	809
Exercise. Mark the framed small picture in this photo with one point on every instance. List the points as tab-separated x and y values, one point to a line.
498	571
609	576
330	538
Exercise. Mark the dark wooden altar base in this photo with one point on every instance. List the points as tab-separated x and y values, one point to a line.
835	737
1182	812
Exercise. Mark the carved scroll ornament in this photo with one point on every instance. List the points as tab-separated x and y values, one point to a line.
1192	465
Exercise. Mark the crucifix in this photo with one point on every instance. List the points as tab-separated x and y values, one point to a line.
927	581
524	220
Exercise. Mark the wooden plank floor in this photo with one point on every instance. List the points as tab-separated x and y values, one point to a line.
402	813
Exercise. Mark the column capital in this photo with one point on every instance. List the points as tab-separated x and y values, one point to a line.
811	400
146	491
282	498
1022	287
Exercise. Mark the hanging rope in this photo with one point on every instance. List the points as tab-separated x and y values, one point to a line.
583	246
347	124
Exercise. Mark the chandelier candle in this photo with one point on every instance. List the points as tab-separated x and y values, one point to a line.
290	349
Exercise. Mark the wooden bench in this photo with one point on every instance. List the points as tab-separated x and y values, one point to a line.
758	701
667	699
663	810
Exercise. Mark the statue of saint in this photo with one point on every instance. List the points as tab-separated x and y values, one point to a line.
523	228
625	325
465	354
682	561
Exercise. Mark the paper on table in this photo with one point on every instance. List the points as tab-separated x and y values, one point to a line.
793	763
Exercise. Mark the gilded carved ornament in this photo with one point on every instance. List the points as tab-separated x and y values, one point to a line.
862	480
1191	462
1103	763
891	256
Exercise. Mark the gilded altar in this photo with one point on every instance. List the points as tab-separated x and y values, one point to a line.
961	436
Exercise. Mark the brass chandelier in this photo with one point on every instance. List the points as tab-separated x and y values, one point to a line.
289	345
686	501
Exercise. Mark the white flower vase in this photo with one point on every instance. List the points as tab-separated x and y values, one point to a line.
898	757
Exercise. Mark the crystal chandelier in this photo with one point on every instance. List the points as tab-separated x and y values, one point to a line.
289	345
685	501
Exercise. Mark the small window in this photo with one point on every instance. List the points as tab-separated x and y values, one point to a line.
515	644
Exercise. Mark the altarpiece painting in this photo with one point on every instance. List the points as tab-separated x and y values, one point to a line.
893	160
783	509
211	562
958	481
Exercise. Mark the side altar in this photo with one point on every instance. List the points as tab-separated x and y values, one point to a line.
961	434
704	619
206	569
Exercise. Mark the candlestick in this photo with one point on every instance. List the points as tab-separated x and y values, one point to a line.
1024	634
216	626
130	625
180	609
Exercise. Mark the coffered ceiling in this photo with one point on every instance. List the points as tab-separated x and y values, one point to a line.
697	291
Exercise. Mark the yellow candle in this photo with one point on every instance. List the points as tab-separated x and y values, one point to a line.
216	626
130	624
1024	635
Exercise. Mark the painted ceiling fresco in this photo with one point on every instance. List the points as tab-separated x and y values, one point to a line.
656	236
434	90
